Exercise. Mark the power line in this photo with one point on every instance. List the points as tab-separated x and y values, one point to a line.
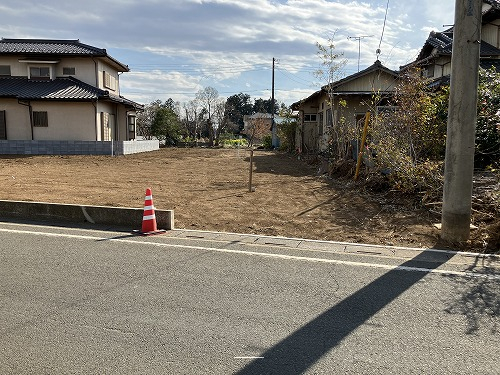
292	78
220	92
383	30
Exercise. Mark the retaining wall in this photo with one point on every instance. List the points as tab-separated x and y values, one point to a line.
19	147
53	212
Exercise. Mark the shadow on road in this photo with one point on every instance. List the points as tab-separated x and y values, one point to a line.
478	299
304	347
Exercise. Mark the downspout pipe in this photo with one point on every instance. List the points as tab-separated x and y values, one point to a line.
96	72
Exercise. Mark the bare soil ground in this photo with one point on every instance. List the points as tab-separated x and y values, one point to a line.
208	190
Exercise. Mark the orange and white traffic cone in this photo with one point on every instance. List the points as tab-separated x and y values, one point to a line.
149	218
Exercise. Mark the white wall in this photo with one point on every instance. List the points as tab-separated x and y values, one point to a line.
17	118
85	69
70	121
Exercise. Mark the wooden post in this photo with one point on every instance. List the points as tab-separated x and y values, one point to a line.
251	171
363	139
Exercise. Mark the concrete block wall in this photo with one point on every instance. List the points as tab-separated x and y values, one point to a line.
130	218
21	147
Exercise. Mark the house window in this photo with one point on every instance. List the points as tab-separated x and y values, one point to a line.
428	72
109	81
107	126
5	70
39	72
310	117
320	123
69	71
131	123
3	126
40	118
329	118
106	133
386	109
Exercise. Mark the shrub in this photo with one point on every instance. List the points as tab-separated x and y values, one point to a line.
234	143
488	119
267	142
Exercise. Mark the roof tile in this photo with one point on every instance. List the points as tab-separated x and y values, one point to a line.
42	46
65	88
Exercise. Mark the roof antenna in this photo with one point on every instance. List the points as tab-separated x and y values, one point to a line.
358	38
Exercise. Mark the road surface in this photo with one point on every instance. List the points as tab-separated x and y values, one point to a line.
89	301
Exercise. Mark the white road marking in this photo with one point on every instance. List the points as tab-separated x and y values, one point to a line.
267	255
249	357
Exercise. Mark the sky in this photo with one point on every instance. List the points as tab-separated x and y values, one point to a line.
174	48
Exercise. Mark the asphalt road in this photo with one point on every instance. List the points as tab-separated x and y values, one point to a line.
87	301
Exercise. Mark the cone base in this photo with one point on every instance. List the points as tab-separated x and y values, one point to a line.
151	233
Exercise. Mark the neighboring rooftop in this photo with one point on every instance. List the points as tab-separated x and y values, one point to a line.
443	42
66	89
376	66
50	47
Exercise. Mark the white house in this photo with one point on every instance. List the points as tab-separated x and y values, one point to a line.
63	96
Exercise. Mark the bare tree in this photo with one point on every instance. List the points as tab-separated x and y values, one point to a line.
330	72
192	111
221	122
208	99
256	130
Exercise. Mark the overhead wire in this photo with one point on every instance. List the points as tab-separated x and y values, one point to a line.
383	29
237	68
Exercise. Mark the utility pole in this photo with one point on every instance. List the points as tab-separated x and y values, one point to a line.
273	123
462	118
358	38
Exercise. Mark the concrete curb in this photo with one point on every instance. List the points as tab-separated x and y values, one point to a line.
116	216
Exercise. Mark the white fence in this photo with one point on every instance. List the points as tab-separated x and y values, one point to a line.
76	147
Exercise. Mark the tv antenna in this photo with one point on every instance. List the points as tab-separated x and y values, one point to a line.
358	38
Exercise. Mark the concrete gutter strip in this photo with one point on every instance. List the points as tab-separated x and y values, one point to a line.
116	216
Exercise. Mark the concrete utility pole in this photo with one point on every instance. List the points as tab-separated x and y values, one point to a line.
462	118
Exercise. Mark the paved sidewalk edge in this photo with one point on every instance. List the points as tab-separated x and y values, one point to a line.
353	244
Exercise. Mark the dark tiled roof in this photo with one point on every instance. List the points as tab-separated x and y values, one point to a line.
58	89
494	3
493	13
42	46
489	50
442	41
63	89
486	64
48	47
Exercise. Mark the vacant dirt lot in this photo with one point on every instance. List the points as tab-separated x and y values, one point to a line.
208	189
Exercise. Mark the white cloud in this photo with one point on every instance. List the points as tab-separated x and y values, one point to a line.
177	47
145	87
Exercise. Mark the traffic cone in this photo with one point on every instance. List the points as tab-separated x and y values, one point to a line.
149	218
